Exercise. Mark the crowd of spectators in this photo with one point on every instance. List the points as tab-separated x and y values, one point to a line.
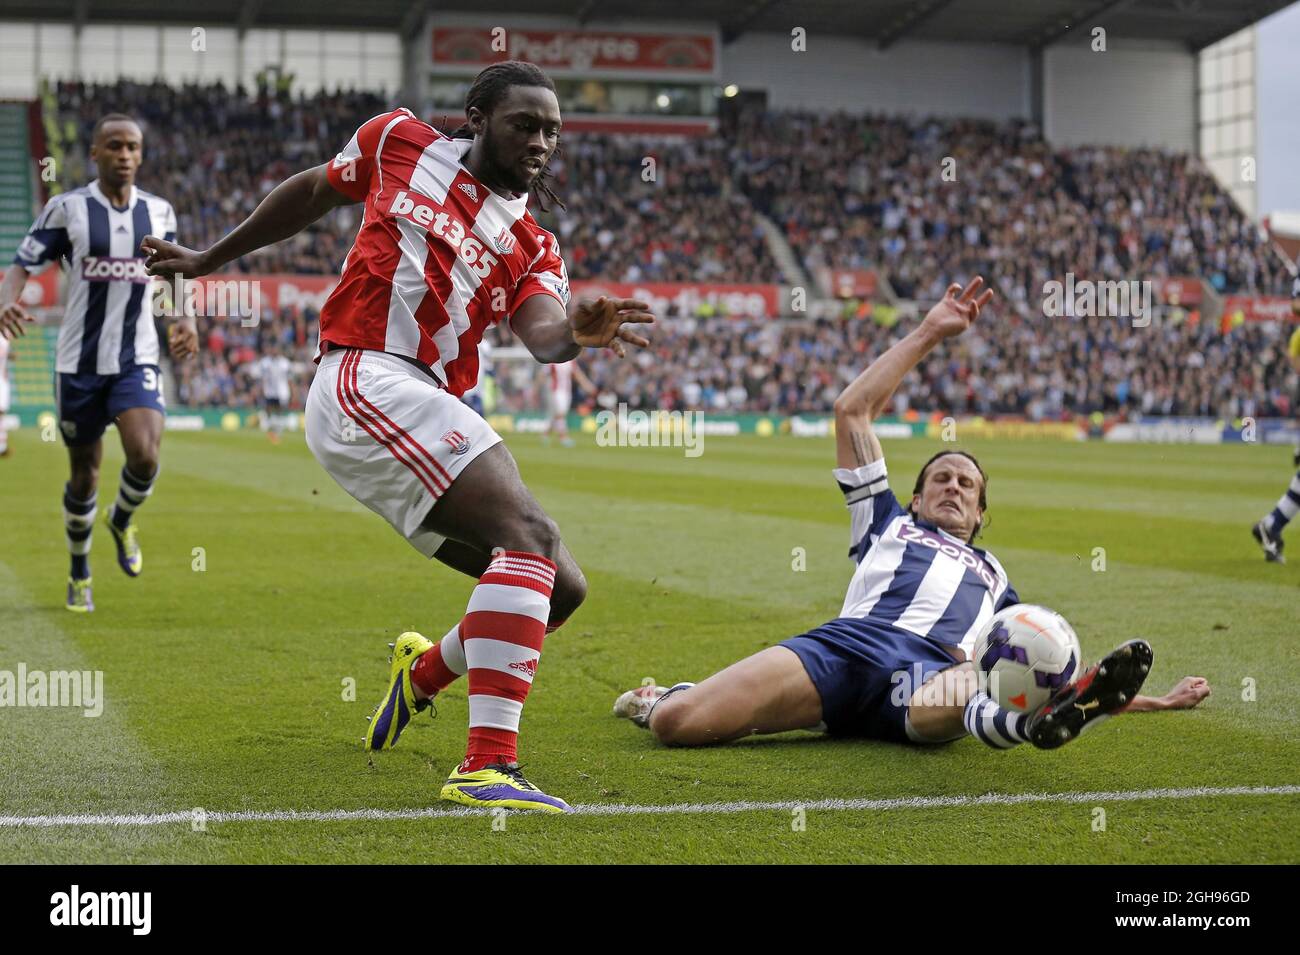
645	211
215	152
923	201
1074	367
225	372
930	201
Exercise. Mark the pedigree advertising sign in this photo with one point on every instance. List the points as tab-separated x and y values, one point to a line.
588	52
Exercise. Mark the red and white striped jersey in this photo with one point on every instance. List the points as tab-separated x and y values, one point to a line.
439	256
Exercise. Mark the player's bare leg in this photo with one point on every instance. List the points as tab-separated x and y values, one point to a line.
936	709
141	431
769	692
83	476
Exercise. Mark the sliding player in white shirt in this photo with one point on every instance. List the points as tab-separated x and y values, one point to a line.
107	367
918	597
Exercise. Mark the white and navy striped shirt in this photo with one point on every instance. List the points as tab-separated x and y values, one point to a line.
108	320
911	574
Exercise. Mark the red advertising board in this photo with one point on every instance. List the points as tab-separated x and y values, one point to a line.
1178	291
758	301
1257	308
291	291
853	283
735	301
44	290
589	52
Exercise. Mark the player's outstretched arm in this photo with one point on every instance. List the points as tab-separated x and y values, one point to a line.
13	317
553	334
1186	694
289	208
866	397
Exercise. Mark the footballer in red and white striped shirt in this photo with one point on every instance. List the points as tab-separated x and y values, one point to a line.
446	248
439	257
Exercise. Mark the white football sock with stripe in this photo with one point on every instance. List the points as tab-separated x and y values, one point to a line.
453	652
78	524
994	725
1287	507
501	636
131	493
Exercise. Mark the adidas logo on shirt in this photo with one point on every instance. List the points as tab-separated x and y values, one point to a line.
469	190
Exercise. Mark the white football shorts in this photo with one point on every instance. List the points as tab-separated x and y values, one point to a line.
561	399
391	437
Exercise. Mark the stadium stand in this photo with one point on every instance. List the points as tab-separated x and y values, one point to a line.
857	192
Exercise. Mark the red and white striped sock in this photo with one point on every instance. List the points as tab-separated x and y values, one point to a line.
439	668
502	635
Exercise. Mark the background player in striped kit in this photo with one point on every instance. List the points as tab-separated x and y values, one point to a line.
919	594
1268	529
107	365
559	398
446	247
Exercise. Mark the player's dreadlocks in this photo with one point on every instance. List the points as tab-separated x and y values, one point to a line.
984	501
487	90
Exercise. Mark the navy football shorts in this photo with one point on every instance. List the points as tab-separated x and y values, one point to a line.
865	673
88	402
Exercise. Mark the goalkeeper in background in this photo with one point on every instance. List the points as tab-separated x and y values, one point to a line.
1268	530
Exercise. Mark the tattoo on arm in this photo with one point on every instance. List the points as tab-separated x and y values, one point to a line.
861	448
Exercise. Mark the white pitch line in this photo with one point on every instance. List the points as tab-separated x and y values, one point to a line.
669	809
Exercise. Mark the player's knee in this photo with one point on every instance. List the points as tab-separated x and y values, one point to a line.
83	479
533	532
143	462
143	468
84	484
570	592
672	722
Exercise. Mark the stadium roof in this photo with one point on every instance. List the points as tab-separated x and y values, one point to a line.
1033	23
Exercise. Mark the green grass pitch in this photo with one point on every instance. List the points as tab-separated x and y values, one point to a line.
226	687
